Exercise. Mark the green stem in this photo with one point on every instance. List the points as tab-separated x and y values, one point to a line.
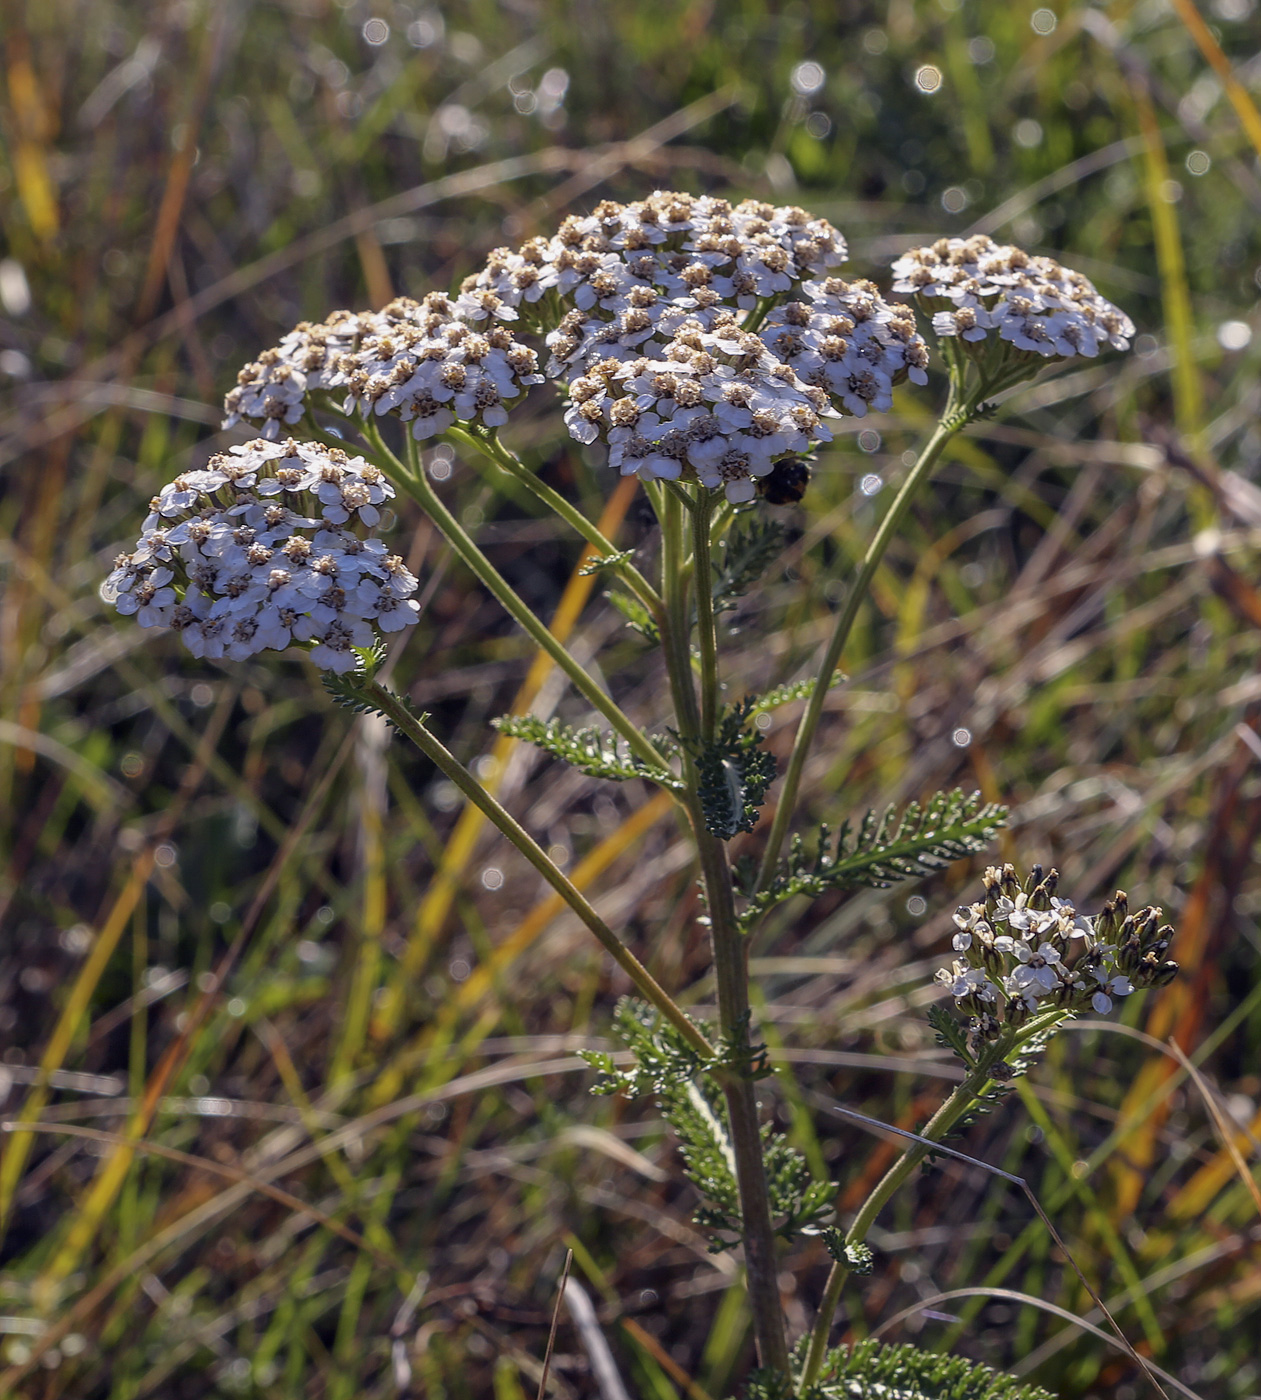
973	1088
416	484
490	447
706	635
730	951
676	630
407	723
956	416
731	985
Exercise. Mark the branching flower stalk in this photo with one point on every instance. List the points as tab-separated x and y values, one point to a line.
710	349
490	447
417	486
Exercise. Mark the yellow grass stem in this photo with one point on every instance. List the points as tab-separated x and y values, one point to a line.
1238	95
1211	1178
1188	396
85	984
373	735
1098	1216
32	114
69	1021
85	1222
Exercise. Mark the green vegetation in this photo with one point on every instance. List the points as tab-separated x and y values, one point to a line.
298	1029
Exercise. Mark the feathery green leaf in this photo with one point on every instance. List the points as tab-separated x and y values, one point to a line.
605	563
733	773
636	615
884	848
751	545
872	1371
597	754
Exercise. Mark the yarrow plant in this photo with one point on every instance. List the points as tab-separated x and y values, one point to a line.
709	348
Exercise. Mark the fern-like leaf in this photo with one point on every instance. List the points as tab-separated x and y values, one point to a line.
605	562
696	1112
884	848
597	754
799	1204
636	615
751	545
794	690
733	773
872	1371
663	1059
950	1033
347	690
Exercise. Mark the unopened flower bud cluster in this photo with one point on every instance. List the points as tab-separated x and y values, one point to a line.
977	289
259	550
1024	950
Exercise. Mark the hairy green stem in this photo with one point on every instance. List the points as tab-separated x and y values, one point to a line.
956	416
415	483
407	723
706	634
730	952
676	632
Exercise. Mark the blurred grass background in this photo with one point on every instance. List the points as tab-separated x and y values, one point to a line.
301	1036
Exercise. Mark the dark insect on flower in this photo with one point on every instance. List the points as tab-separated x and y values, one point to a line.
787	482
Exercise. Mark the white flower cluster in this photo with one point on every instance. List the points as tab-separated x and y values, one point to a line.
633	273
850	342
1024	950
272	390
256	552
432	363
1031	302
438	362
634	300
714	404
670	255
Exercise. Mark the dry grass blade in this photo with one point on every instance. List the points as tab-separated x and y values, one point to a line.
1226	1131
663	1358
1155	1373
551	1335
112	930
1118	1339
1063	596
131	1144
1240	97
603	1367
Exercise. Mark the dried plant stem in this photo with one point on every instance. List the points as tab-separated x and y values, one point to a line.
408	724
